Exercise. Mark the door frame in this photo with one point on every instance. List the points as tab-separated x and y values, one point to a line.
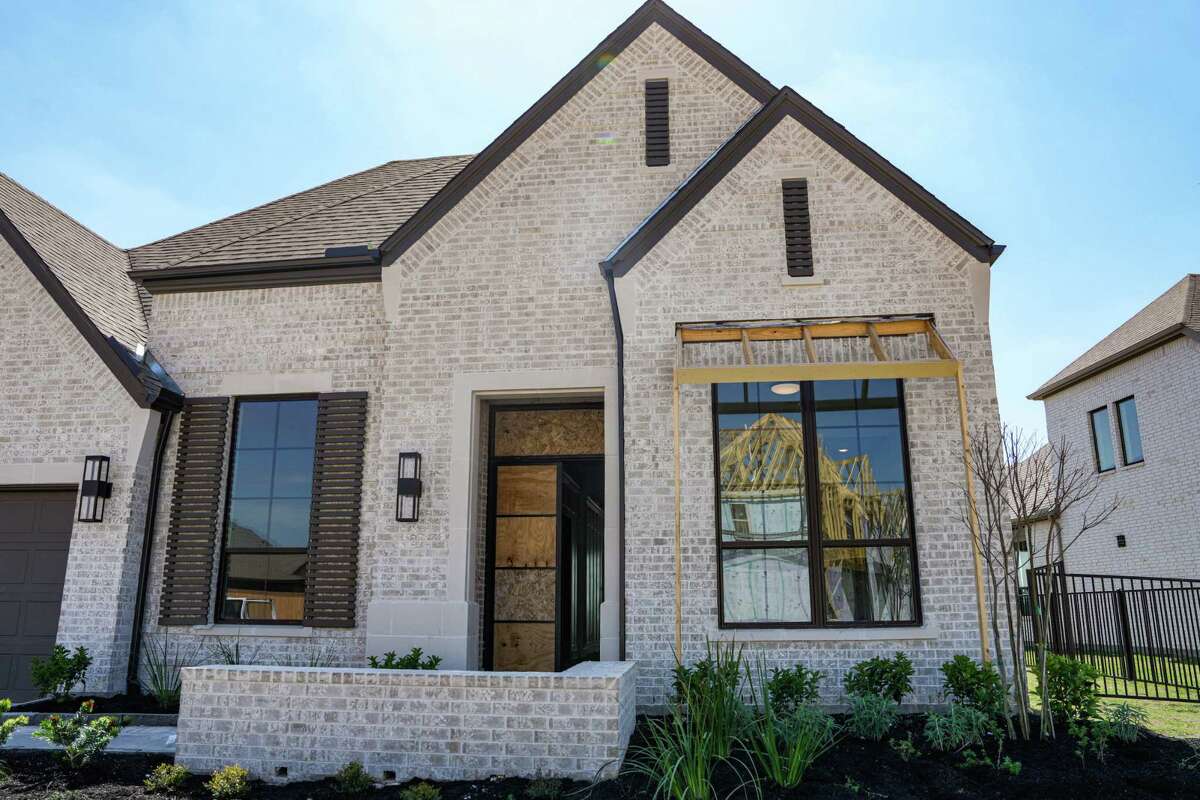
489	547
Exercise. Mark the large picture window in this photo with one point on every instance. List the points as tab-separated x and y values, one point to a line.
813	505
265	557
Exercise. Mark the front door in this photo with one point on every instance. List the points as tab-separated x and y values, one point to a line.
545	544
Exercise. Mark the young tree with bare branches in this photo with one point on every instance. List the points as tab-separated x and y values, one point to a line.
1018	483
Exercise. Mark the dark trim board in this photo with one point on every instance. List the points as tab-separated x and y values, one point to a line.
146	396
261	275
787	103
653	11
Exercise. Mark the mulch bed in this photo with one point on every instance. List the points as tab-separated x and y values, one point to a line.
1150	768
117	704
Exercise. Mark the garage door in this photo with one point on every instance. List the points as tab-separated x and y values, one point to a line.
35	532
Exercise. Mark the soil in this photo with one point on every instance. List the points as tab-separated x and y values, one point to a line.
117	704
1149	768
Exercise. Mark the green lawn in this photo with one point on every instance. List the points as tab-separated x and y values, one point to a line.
1181	720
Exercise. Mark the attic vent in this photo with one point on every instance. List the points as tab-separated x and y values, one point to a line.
796	229
658	127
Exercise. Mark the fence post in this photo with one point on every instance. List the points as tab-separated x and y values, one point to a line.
1126	636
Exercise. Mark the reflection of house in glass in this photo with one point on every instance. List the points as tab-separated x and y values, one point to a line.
763	499
264	587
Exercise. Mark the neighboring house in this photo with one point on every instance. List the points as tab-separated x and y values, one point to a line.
1125	406
493	405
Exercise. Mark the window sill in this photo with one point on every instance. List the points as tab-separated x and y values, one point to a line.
802	280
277	631
822	634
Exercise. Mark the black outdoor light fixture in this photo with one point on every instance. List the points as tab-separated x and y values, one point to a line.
95	489
408	488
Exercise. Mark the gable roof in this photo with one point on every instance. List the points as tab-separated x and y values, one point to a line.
1174	313
649	13
359	209
86	276
788	103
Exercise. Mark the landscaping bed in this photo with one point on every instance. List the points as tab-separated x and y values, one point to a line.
116	704
1148	768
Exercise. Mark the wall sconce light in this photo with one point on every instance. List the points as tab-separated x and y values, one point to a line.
95	489
408	488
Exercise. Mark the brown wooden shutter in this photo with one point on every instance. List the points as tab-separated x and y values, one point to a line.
796	228
332	580
658	127
194	524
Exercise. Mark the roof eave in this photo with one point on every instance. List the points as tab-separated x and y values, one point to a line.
1053	387
260	274
145	396
653	11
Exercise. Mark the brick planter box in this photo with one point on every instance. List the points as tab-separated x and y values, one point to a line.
299	723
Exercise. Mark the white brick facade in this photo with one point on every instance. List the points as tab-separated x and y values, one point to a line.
402	724
1160	498
507	283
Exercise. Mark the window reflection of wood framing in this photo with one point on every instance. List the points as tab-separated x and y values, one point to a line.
818	350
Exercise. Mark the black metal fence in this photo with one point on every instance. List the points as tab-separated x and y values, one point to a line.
1141	634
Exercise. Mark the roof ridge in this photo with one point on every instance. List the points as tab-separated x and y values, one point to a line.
34	194
324	208
260	206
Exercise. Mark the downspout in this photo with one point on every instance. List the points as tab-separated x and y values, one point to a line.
139	608
610	279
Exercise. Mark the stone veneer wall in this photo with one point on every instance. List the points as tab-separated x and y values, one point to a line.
1158	512
442	725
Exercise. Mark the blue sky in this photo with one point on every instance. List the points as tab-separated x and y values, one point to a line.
1068	131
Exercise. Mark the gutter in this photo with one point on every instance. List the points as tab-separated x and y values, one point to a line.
610	279
166	416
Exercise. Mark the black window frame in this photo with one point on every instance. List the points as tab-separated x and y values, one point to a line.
1121	431
1096	444
814	545
226	551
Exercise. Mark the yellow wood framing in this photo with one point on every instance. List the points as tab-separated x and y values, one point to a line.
944	366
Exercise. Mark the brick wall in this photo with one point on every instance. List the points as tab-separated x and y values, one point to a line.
59	403
725	260
1159	510
439	725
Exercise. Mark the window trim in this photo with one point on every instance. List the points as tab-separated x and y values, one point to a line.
815	546
223	550
1121	433
1096	444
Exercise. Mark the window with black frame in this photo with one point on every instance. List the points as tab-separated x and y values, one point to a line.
265	557
813	505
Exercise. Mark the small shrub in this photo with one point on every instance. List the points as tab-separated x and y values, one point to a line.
1191	762
1091	738
710	694
9	725
677	758
421	791
229	783
904	748
414	659
973	685
791	688
788	745
1010	766
163	664
872	716
81	739
57	674
958	728
166	778
883	677
1125	720
1070	690
353	779
230	653
544	789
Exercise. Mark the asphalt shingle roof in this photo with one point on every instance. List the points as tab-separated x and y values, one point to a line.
1177	309
363	208
91	268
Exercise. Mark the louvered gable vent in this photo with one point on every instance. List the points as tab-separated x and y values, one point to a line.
658	124
797	230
